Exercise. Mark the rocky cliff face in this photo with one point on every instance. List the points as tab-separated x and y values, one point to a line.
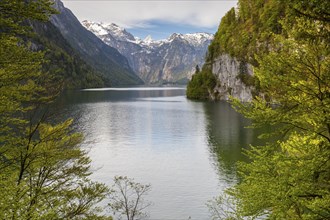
231	73
165	61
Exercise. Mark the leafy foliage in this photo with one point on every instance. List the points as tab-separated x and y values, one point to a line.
46	177
43	171
290	178
244	32
201	84
288	44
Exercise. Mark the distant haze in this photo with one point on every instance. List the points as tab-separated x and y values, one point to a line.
158	18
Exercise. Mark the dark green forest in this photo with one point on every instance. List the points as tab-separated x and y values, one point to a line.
201	83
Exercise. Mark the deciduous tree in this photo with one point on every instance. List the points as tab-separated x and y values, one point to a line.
43	170
127	198
290	178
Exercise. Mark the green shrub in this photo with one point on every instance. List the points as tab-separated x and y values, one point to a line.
201	85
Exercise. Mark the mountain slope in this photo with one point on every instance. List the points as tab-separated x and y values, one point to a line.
64	64
100	56
166	61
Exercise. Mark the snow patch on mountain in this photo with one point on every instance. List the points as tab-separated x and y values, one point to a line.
101	29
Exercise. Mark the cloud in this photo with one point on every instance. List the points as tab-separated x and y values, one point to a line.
138	14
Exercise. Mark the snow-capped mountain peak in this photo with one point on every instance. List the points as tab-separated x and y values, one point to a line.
96	28
100	29
198	38
194	39
156	61
174	36
148	39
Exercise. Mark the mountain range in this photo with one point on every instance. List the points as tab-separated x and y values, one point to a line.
102	58
91	54
171	60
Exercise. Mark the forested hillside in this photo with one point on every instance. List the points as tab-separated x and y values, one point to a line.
244	33
64	62
287	43
248	32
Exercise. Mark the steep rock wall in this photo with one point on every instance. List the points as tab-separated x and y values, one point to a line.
229	72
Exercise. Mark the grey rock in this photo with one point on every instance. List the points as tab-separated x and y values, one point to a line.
227	70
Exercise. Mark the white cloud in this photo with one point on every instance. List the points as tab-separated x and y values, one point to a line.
138	13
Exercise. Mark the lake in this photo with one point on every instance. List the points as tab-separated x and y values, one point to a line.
185	149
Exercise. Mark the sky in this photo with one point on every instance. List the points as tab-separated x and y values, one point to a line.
157	18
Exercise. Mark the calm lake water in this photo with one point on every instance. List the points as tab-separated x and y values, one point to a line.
185	149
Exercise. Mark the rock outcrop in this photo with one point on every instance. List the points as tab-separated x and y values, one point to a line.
231	74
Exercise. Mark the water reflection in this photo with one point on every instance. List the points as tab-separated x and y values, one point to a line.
226	136
116	95
187	150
